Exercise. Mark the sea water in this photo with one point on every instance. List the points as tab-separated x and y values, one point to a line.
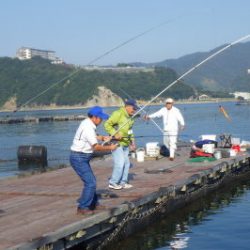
57	136
219	222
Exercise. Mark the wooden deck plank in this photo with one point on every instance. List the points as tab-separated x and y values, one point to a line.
40	204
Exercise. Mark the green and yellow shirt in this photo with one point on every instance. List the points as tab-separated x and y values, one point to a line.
120	121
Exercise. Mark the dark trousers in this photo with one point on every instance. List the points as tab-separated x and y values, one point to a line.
80	163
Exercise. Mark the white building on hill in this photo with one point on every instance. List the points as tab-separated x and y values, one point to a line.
204	97
25	53
245	95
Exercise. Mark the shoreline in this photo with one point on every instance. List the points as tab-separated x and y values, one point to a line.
141	103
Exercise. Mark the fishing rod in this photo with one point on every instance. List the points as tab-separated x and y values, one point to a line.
143	111
144	136
181	77
95	60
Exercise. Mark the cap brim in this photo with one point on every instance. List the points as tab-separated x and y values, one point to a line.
104	116
135	107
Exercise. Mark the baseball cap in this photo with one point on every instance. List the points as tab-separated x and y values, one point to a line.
169	100
132	102
98	112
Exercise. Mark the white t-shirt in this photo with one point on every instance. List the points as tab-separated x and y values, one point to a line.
85	137
171	118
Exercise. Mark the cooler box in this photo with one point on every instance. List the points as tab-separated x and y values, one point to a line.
152	149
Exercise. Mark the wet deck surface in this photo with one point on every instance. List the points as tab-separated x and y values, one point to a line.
37	205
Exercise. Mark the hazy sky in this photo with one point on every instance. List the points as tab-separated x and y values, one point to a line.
80	30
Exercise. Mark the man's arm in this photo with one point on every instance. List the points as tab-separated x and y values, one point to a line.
99	147
157	114
180	120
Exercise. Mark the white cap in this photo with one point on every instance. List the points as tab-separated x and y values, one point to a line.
169	100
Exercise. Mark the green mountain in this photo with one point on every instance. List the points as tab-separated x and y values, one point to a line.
21	81
226	72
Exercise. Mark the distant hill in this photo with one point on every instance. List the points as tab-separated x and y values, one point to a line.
227	71
20	81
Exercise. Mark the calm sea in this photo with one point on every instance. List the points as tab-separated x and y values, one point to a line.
220	221
215	223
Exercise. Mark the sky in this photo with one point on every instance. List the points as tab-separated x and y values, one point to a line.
79	31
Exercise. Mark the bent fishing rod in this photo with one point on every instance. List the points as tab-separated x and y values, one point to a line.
95	60
181	77
154	122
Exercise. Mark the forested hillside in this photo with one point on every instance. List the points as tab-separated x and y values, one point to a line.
22	80
225	72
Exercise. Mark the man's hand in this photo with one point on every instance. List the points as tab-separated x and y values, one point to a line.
146	117
113	147
182	127
132	146
106	138
118	137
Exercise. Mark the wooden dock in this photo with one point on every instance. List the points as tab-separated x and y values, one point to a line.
39	211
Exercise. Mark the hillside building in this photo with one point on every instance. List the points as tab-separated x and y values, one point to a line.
25	53
118	69
203	97
245	95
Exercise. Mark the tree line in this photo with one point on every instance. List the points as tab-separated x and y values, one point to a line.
26	79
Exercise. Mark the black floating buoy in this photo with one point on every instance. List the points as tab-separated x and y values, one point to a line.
30	153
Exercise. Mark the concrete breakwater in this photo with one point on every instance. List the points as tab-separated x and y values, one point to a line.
41	119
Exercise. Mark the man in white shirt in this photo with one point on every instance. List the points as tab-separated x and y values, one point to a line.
85	142
172	121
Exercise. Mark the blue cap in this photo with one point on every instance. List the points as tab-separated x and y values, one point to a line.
132	102
97	111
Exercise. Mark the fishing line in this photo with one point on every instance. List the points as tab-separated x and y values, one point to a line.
96	59
46	90
132	39
182	76
154	122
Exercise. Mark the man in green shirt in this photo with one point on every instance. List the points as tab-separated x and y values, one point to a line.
120	125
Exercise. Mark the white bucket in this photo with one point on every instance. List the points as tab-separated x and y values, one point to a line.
232	152
133	155
140	154
217	155
208	148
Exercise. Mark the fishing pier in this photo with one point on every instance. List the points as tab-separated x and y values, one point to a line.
39	211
